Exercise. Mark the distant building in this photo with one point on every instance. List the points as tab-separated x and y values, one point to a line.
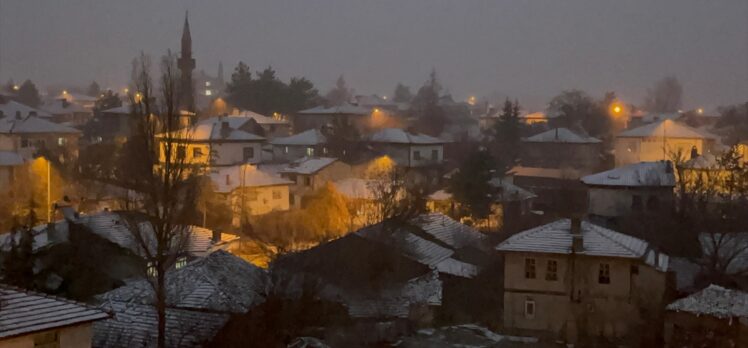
30	319
713	317
309	174
562	148
661	141
538	117
270	127
251	191
63	111
632	189
641	118
11	163
320	116
558	191
27	134
309	143
571	279
408	149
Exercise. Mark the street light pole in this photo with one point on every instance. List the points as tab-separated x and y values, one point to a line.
49	193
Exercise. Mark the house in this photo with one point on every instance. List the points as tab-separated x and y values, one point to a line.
641	118
538	117
252	122
201	297
712	317
308	143
661	141
320	117
215	143
11	108
562	148
27	134
251	191
31	319
408	149
311	173
645	187
83	100
573	280
559	191
115	124
63	111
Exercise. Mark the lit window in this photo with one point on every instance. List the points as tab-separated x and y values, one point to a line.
529	309
285	149
207	83
151	270
181	262
417	155
603	276
551	272
62	141
276	194
310	151
208	92
530	268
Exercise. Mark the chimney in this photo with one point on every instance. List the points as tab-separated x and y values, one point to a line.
216	236
225	129
32	113
577	242
694	152
18	115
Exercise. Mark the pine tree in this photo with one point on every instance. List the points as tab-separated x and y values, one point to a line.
470	185
507	137
28	94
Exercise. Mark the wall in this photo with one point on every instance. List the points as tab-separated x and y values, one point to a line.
634	150
403	154
616	202
224	154
70	337
335	171
258	201
288	153
583	157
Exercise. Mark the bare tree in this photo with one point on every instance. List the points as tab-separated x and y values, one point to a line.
395	200
154	164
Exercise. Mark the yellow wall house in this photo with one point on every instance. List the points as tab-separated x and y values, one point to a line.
312	173
571	279
29	320
660	141
251	191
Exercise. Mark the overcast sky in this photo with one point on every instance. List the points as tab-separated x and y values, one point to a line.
528	49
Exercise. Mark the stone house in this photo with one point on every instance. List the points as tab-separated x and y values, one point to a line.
562	148
631	189
712	317
408	149
309	143
29	319
311	173
660	141
573	280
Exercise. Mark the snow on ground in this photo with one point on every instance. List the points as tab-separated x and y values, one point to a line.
466	336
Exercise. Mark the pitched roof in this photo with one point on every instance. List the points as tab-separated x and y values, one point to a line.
309	138
344	109
400	136
33	125
715	301
10	158
246	115
227	179
219	282
556	238
62	107
308	165
665	128
642	174
561	135
213	130
24	312
11	108
122	109
510	192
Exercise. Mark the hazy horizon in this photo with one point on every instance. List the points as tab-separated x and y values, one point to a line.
527	50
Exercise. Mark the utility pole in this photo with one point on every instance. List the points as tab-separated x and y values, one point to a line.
49	192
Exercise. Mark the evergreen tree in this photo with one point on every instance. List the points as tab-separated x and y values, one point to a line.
266	94
431	117
507	137
107	100
577	111
28	94
93	90
470	185
340	94
239	89
301	95
402	94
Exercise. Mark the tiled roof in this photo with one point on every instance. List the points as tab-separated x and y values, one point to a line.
309	138
33	125
561	135
399	136
24	312
665	128
715	301
219	282
642	174
308	165
227	179
11	108
136	325
556	238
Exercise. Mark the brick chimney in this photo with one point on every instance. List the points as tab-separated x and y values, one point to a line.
577	241
216	236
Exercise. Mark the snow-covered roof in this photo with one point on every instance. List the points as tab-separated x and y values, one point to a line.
308	165
10	158
219	282
667	129
309	137
556	238
136	325
246	115
440	195
33	125
400	136
649	117
642	174
76	97
561	135
215	132
63	107
510	192
25	312
714	301
11	108
227	179
124	109
344	109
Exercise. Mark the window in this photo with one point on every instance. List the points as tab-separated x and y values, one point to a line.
62	141
285	149
291	199
307	181
151	270
636	203
634	269
310	151
47	340
24	142
197	152
434	155
207	83
208	92
551	272
417	155
181	152
603	276
530	268
249	153
529	309
181	262
324	150
276	194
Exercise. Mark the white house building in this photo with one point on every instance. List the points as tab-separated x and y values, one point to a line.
660	141
409	149
308	143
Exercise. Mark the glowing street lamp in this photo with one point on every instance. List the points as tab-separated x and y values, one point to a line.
700	111
471	100
16	87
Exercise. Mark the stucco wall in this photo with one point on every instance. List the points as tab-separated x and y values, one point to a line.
259	200
616	202
70	337
634	150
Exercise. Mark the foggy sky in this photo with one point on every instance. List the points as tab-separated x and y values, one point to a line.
528	49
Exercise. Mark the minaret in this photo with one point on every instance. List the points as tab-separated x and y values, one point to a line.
220	75
186	64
